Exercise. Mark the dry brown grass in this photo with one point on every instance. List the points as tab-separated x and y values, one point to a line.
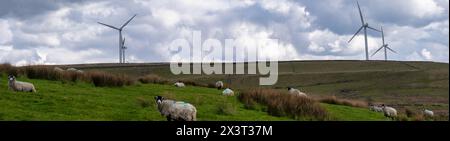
346	102
153	78
283	104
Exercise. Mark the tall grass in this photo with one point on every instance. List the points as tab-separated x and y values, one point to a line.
98	78
283	104
153	78
346	102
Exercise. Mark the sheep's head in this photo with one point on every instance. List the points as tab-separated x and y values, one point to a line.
159	99
11	78
289	88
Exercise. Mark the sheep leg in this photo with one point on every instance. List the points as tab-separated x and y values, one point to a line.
168	118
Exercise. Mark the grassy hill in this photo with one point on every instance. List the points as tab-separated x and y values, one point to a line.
82	101
402	84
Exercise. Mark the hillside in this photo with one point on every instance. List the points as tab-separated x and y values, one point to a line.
81	101
412	85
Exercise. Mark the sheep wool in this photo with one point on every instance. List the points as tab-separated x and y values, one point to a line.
376	108
428	113
179	84
177	110
228	92
296	92
389	112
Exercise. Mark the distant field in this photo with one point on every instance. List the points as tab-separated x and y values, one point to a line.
415	85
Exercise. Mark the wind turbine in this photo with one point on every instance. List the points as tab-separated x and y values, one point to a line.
385	46
121	40
364	26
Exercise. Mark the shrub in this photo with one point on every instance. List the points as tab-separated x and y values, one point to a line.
283	104
152	78
193	83
102	79
346	102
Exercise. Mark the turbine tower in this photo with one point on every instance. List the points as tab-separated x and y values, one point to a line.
385	46
121	40
364	26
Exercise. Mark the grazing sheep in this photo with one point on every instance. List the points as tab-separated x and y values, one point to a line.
58	69
296	92
179	84
176	110
72	69
228	92
389	112
20	86
376	108
428	113
219	85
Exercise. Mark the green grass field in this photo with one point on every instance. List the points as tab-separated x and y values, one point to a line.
57	101
402	84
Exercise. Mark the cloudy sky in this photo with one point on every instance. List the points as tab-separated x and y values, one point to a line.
66	32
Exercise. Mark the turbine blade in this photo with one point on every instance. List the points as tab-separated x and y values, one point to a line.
359	30
391	50
373	28
127	22
377	51
382	35
360	13
108	26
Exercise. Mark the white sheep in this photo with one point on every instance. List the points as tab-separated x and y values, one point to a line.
58	69
228	92
428	113
376	108
389	112
296	92
20	86
219	85
72	69
176	110
179	84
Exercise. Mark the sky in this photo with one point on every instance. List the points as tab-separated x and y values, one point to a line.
66	31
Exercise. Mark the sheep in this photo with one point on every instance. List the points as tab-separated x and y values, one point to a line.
20	86
376	108
228	92
219	85
428	113
296	92
389	112
58	69
176	110
72	69
179	84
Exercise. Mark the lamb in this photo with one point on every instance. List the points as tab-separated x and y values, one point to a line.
376	108
219	85
228	92
179	84
20	86
176	110
428	113
389	112
296	92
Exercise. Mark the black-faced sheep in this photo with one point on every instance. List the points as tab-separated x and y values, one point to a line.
219	85
176	110
296	92
20	86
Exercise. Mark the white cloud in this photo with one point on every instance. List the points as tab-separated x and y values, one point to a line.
426	54
6	34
